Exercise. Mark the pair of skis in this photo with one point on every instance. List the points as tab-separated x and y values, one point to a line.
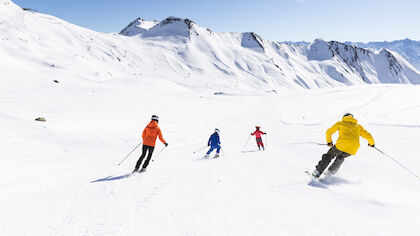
315	181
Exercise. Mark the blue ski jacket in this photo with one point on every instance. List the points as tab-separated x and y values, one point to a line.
214	140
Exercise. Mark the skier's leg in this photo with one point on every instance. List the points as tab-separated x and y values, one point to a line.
259	144
337	163
217	151
210	150
149	156
326	159
262	145
143	154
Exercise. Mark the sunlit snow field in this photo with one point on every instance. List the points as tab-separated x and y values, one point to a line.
61	177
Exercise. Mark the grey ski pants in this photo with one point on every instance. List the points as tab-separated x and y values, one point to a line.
328	157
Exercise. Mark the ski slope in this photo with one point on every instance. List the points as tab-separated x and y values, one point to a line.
61	177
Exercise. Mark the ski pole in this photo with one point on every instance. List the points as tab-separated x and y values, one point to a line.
247	142
265	140
396	162
130	153
223	152
322	144
158	153
200	149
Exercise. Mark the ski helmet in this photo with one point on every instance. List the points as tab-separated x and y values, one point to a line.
155	118
348	114
257	127
217	130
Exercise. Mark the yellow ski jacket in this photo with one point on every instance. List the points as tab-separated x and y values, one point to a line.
348	135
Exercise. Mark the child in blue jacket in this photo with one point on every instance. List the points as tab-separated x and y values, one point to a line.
214	143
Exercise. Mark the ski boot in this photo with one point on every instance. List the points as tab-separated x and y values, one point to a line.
217	155
207	156
316	174
142	170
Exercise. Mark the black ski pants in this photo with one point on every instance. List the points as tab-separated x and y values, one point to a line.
328	157
149	156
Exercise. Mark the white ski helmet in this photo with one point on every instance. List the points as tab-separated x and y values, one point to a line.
217	130
155	117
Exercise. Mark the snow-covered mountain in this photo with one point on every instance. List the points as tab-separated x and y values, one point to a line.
409	49
181	50
138	26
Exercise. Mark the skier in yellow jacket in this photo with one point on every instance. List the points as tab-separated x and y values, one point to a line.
347	144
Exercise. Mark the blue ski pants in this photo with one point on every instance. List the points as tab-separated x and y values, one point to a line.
214	147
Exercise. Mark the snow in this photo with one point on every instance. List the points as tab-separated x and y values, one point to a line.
61	177
409	49
138	26
48	170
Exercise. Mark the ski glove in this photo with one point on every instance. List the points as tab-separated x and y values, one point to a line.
166	144
330	144
373	145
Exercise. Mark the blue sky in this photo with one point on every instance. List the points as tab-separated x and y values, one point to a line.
276	20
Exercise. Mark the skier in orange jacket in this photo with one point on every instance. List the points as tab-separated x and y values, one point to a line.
150	134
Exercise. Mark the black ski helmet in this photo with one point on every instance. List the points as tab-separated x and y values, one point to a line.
348	114
217	130
155	118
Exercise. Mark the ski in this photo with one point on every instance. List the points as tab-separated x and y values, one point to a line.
315	182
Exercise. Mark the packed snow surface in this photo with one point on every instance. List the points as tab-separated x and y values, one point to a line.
61	177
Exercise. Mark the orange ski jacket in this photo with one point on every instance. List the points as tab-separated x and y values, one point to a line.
150	133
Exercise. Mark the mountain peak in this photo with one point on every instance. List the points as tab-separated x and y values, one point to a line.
171	26
138	26
173	19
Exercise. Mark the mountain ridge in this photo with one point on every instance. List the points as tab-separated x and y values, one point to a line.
177	49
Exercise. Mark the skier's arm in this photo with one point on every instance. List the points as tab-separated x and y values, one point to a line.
160	136
331	131
208	143
144	133
253	133
366	135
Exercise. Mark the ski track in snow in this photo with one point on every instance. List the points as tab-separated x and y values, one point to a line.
83	191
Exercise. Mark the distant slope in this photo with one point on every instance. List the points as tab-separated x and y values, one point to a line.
185	53
409	49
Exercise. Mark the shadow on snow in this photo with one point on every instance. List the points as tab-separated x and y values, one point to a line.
112	178
249	151
328	181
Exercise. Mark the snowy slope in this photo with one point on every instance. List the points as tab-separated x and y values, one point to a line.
61	177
